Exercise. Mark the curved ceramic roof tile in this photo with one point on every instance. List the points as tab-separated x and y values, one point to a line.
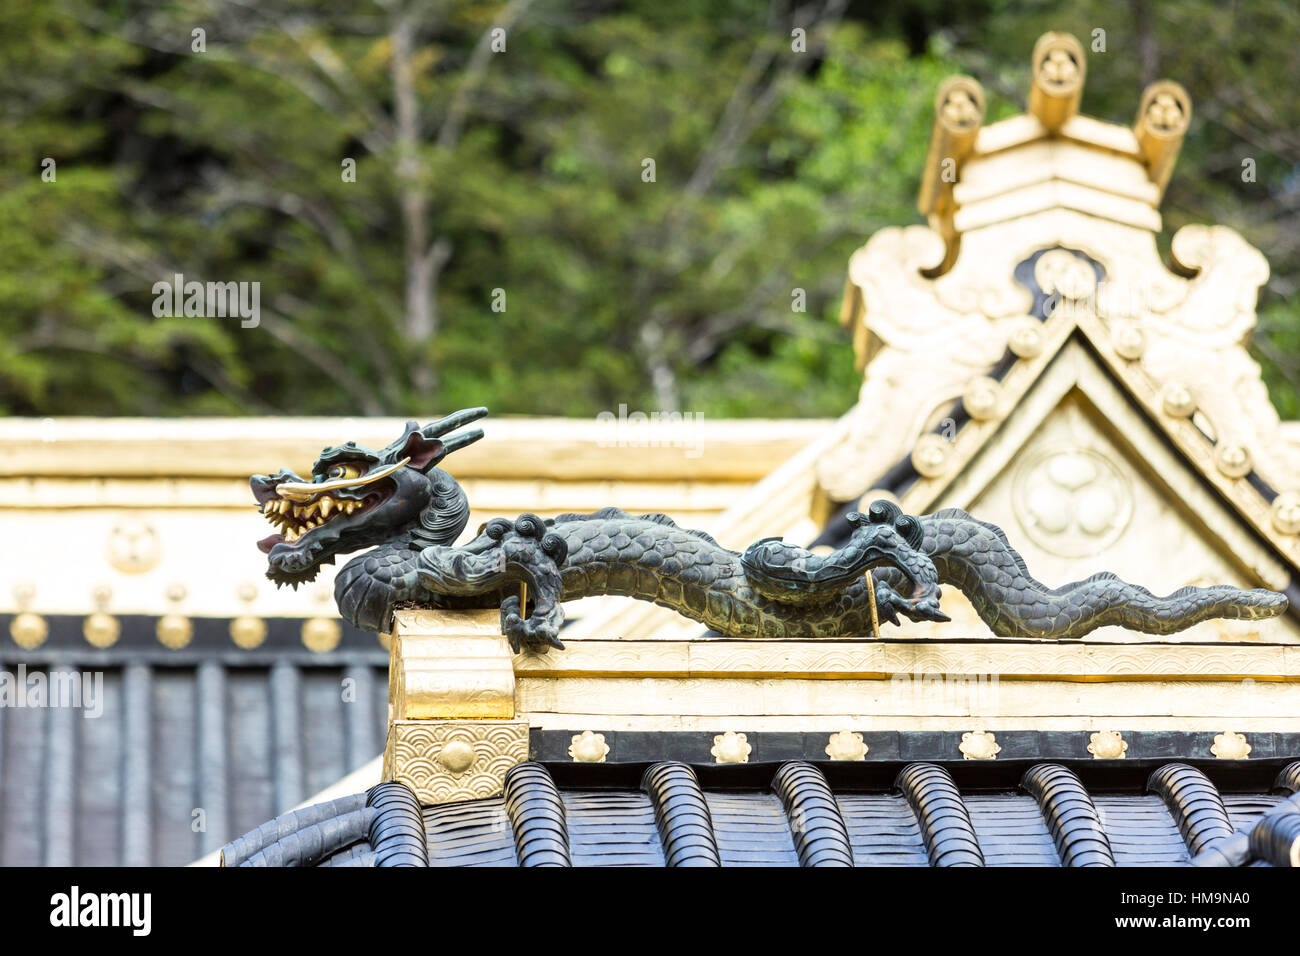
537	817
360	854
682	815
600	818
1288	778
820	836
1276	838
946	826
1193	802
397	827
301	837
1071	815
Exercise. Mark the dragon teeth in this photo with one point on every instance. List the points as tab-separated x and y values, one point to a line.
296	520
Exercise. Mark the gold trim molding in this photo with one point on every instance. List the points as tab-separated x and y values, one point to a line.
447	664
445	761
866	659
451	705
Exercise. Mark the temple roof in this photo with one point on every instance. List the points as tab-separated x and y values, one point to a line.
801	813
175	750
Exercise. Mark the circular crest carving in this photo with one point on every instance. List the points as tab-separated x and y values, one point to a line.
1072	502
1058	63
959	104
1058	270
134	546
1166	109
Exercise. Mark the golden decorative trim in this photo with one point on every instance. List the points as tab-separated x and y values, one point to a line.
596	701
532	447
28	630
101	630
134	545
1129	341
588	747
1080	661
930	456
1232	460
731	747
1026	339
1230	746
174	631
247	631
445	761
825	724
320	634
1286	513
846	745
450	664
1065	273
1177	400
982	398
979	745
1107	745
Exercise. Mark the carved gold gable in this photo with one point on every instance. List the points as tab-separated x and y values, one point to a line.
1082	481
1042	231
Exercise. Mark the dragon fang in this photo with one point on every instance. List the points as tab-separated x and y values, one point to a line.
406	513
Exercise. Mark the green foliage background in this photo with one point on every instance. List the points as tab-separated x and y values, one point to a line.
522	171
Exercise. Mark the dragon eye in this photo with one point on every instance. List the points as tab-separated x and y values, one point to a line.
345	471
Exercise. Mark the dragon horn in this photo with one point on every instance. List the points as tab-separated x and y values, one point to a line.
454	420
460	441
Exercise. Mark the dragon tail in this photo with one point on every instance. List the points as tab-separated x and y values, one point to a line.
976	557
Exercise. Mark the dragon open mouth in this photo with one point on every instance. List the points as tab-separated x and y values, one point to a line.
300	507
296	520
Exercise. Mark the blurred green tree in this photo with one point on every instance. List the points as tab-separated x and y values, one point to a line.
451	203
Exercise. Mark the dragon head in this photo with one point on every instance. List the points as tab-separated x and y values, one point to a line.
359	498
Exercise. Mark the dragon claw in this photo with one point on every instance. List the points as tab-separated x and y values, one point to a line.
528	633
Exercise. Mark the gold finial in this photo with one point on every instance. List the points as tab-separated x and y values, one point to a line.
958	113
1163	117
1058	70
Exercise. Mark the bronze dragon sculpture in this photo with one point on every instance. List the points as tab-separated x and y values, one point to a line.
398	503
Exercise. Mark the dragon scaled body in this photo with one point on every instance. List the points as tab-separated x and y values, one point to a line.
408	513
